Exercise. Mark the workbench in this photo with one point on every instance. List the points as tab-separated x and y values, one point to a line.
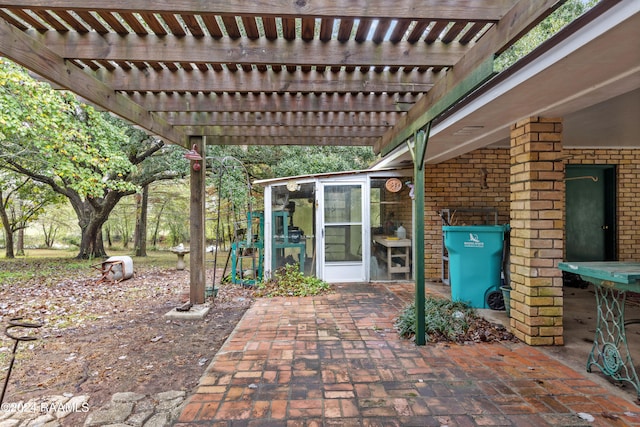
397	254
612	280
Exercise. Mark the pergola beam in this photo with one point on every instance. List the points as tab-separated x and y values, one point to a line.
274	103
288	118
190	49
19	47
486	10
287	131
268	81
278	140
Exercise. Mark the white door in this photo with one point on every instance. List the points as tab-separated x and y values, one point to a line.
342	239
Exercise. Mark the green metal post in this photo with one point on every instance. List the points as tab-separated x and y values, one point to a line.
420	148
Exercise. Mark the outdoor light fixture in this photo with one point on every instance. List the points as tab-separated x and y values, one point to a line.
194	156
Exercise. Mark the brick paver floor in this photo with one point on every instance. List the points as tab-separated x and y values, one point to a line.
336	360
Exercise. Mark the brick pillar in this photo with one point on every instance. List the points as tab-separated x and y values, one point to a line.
537	225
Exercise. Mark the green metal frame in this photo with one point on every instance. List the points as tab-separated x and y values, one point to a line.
610	351
612	280
256	248
282	241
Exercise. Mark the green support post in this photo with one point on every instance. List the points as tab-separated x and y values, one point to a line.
419	150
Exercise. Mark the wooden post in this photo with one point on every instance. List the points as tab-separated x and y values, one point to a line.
197	224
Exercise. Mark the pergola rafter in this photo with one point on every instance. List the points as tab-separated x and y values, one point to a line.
151	62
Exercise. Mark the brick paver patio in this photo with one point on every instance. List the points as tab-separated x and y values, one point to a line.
337	360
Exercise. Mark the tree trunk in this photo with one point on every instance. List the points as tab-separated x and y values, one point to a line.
8	239
20	243
157	226
109	241
91	218
8	232
140	235
91	246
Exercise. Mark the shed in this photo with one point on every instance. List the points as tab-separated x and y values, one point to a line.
354	226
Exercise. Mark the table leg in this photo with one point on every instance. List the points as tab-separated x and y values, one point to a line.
407	260
610	352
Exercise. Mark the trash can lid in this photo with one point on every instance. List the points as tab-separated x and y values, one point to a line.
482	228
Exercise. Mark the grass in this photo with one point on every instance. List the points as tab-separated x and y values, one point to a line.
54	264
162	258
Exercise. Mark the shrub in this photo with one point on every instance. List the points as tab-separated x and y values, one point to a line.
289	281
444	320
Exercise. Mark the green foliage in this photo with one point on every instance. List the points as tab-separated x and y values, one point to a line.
304	160
231	180
53	225
289	281
564	15
51	134
263	162
24	199
444	319
92	158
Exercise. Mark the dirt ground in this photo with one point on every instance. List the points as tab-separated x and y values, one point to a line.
99	339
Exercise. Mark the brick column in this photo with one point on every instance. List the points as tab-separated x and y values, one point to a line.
537	226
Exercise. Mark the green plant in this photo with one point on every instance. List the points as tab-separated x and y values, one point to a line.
290	281
444	319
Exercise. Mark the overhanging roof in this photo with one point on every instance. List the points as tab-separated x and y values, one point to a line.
589	76
389	172
305	72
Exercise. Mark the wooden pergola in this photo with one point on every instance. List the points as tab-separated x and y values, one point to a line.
310	72
303	72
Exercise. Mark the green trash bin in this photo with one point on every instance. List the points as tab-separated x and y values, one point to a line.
475	261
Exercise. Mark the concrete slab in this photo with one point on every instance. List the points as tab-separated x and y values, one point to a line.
196	312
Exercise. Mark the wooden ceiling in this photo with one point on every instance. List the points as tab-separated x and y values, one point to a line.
305	72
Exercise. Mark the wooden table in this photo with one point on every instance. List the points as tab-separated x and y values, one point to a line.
398	250
612	281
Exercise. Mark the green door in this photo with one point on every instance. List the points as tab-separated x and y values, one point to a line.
590	213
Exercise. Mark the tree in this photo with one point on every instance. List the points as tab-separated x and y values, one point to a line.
22	200
54	222
90	157
119	225
264	162
163	198
553	23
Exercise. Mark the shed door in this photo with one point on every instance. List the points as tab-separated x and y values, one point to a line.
342	232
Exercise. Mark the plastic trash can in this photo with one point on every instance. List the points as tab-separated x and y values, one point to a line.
475	261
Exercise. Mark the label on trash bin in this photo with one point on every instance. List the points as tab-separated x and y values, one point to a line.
473	242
